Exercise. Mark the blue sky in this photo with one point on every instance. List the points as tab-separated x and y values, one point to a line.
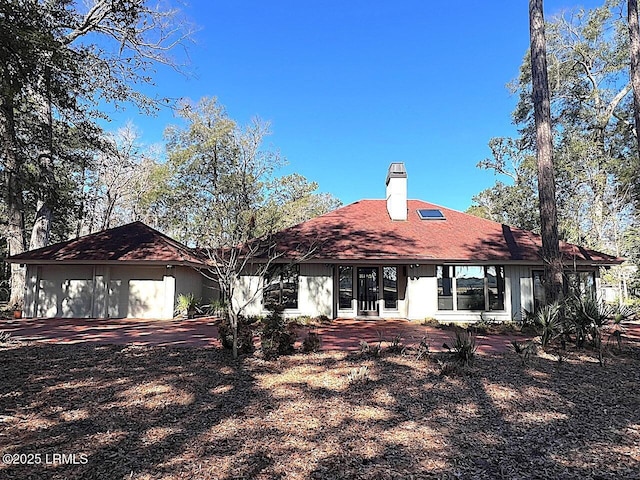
350	86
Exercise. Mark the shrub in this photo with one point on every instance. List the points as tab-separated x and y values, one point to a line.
622	314
463	347
5	337
395	345
215	308
188	305
430	322
549	323
449	369
276	338
301	320
359	375
322	319
423	348
245	335
311	343
524	350
371	350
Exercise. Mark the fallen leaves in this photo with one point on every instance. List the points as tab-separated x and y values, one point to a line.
170	413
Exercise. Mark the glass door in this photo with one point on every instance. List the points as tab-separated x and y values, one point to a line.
367	291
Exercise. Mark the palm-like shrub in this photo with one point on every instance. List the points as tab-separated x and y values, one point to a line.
549	322
463	346
188	305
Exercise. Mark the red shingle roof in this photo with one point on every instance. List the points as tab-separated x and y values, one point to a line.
364	231
134	242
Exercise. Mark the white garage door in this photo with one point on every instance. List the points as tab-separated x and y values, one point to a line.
65	291
136	292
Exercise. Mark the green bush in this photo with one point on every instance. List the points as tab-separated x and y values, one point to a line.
524	350
311	343
276	338
359	375
245	335
322	319
430	322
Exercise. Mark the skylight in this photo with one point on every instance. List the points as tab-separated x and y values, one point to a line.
430	214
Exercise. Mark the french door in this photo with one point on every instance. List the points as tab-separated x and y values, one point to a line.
367	291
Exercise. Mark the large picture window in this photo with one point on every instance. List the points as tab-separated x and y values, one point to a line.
470	287
345	287
281	286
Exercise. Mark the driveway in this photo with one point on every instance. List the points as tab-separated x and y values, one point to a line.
341	334
200	332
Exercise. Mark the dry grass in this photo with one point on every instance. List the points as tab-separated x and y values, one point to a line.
162	413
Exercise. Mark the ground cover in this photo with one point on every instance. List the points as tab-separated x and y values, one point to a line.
130	412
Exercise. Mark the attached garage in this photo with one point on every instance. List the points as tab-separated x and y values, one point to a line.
131	271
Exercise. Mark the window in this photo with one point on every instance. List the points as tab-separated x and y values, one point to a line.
574	283
345	287
430	214
538	289
470	287
390	287
445	288
281	286
581	284
495	287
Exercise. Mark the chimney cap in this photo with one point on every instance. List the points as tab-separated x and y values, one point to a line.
396	170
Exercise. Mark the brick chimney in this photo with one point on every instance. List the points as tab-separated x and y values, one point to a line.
397	191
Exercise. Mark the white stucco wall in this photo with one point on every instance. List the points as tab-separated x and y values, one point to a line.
247	295
422	292
315	290
189	280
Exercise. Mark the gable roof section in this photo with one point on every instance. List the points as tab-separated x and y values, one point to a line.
134	242
364	231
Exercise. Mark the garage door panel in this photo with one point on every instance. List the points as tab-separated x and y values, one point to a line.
137	292
65	291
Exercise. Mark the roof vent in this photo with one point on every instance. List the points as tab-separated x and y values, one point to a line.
431	214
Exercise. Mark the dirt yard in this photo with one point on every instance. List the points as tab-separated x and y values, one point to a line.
138	412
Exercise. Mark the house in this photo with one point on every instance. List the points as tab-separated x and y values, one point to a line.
127	271
392	258
413	259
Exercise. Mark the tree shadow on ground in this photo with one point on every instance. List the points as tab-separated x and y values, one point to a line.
143	413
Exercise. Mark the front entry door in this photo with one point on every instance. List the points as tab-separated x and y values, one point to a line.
367	291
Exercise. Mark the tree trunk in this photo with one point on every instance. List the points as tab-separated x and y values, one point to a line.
13	200
233	320
41	231
544	154
634	47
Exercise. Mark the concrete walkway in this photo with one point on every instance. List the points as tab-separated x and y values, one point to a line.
341	334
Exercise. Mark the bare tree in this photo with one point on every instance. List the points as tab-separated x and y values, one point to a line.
544	153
